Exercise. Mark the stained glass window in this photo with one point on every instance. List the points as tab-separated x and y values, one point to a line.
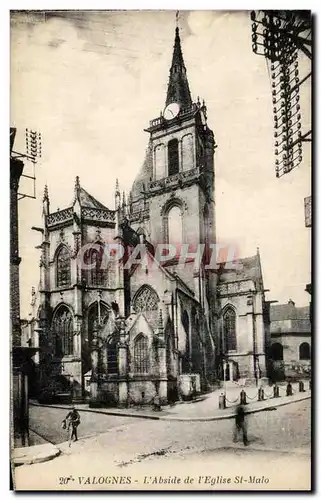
62	329
63	267
146	300
229	322
141	357
93	318
97	275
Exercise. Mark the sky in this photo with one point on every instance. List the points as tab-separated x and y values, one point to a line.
90	82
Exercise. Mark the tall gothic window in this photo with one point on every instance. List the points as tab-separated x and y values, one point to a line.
304	351
112	356
95	313
146	299
63	267
96	275
175	226
141	355
62	330
229	328
173	157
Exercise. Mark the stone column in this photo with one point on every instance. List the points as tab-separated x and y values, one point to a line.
161	356
251	345
77	387
231	369
123	365
225	365
180	155
94	395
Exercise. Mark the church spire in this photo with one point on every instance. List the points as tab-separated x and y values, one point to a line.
178	88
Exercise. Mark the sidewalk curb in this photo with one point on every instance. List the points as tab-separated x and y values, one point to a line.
273	404
232	415
41	456
101	412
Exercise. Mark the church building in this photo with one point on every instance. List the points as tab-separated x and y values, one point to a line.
119	334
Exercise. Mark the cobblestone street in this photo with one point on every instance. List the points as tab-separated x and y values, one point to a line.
45	424
275	436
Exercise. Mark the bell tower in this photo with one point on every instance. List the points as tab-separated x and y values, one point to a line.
181	171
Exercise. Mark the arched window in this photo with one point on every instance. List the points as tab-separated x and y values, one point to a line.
173	158
304	351
96	312
276	352
146	299
187	152
96	275
160	170
141	355
63	267
112	356
229	328
62	331
175	226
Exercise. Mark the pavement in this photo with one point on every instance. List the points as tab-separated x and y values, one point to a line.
279	449
34	454
204	408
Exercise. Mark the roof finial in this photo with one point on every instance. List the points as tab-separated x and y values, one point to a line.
45	193
177	17
77	188
117	186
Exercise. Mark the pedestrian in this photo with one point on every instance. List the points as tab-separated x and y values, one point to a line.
71	423
240	424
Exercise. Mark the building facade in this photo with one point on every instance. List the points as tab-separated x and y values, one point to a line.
289	354
120	331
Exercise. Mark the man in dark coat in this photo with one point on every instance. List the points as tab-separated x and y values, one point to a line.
72	421
240	424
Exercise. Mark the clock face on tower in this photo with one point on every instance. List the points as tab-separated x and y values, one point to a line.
171	111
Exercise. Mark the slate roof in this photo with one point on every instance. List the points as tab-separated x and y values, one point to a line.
249	269
286	318
280	312
145	174
87	200
178	88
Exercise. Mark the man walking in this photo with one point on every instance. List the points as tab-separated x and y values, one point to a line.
72	421
240	424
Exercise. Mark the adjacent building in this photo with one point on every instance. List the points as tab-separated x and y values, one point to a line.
290	350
